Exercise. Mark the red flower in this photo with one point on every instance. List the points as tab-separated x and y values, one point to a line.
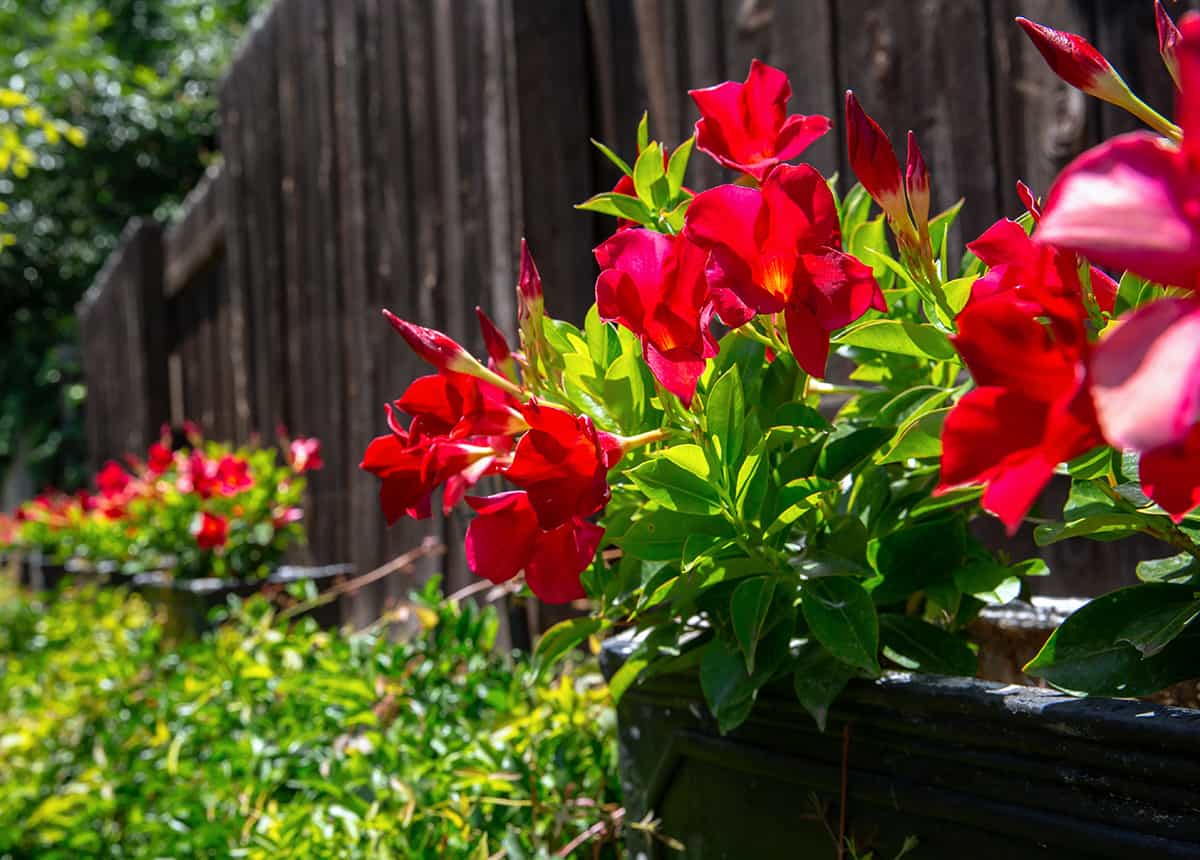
112	480
1075	60
563	462
654	285
405	487
1044	273
282	517
1030	411
159	458
233	475
746	126
779	249
1145	379
1133	203
210	531
458	406
506	538
305	455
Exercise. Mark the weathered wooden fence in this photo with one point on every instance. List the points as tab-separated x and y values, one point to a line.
392	153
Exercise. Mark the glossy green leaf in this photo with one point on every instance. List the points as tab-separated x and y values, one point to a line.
661	534
748	611
902	337
678	479
677	166
618	205
613	157
918	645
818	679
847	447
1096	650
649	178
1097	527
561	638
1182	569
842	616
725	409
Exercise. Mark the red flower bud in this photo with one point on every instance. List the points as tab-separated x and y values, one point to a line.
1168	39
1075	60
497	346
874	163
529	287
916	182
440	350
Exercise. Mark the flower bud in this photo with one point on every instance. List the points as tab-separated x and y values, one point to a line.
1075	60
530	302
1168	40
440	350
916	183
1032	205
874	163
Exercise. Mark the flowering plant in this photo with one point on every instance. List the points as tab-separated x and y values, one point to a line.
684	461
205	509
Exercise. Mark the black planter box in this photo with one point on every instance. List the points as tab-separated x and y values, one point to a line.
189	603
970	768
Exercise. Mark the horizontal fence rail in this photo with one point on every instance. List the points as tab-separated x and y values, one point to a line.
391	153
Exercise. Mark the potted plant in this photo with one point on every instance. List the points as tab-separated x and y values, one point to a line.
773	539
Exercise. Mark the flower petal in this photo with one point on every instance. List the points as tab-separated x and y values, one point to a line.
500	540
559	557
1145	376
1125	204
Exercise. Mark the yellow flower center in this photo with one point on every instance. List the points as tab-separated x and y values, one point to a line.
776	279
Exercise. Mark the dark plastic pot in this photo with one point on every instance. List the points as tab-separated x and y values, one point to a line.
189	603
969	768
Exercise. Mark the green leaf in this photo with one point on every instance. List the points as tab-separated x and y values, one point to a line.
678	479
625	391
847	447
987	581
1098	527
818	679
626	675
854	209
917	555
922	647
867	237
1096	463
643	131
1093	651
561	638
961	496
957	293
613	157
649	179
619	205
842	616
726	685
1182	569
919	438
726	413
660	534
750	488
748	610
902	337
677	166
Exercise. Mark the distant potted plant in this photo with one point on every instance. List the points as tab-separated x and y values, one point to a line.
767	539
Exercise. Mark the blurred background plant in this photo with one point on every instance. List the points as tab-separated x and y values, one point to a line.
107	110
266	741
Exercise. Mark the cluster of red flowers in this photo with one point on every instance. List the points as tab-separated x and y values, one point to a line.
187	472
770	244
469	421
1047	393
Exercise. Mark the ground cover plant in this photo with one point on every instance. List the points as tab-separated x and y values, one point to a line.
266	741
688	462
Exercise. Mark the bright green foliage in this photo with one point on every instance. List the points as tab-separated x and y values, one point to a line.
262	742
137	79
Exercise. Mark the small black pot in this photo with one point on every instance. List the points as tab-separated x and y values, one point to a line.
967	767
189	603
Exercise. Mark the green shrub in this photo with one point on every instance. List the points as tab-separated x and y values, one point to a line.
263	742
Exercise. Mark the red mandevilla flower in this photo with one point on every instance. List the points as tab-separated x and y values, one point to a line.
1145	379
563	463
779	249
159	458
1168	40
304	455
655	286
746	126
506	538
210	531
458	406
1030	410
112	480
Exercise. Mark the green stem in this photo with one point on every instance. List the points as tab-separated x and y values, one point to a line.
1173	534
1153	118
